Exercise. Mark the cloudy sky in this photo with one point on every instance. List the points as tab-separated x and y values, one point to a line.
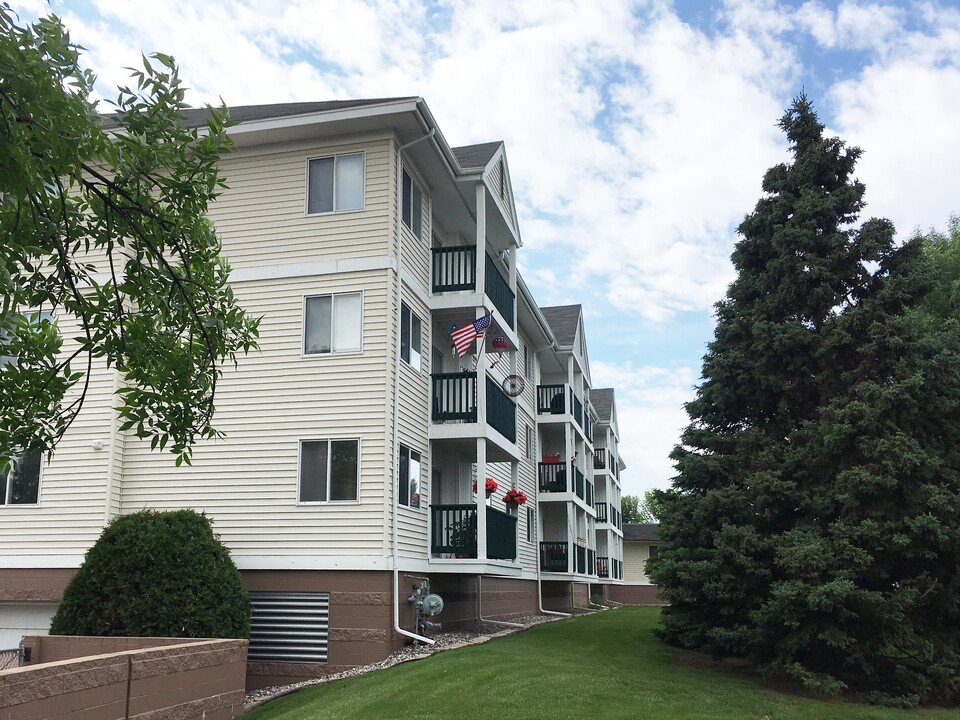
637	132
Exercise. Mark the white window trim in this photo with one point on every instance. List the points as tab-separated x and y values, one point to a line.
413	314
9	489
329	439
423	503
306	184
303	326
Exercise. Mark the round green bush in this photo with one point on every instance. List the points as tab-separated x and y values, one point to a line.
156	574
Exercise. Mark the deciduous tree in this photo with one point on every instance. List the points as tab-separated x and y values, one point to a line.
104	224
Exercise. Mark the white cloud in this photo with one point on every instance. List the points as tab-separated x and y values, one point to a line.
650	415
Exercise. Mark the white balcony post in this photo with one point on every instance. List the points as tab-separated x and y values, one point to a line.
481	499
481	238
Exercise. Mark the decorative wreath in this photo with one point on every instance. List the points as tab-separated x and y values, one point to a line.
512	385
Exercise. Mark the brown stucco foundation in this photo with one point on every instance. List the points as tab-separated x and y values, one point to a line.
635	594
34	585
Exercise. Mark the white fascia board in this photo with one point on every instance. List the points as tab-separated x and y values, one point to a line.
325	116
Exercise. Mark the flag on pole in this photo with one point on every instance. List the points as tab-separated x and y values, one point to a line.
463	337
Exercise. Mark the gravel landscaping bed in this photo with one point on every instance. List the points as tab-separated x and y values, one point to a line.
416	651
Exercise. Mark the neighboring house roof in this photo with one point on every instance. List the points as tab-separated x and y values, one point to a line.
196	117
641	532
602	401
563	320
476	156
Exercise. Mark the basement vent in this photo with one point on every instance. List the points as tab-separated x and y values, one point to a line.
289	627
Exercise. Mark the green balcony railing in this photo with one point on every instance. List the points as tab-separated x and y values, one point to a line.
498	290
554	557
454	531
455	396
601	509
591	562
551	399
454	268
581	560
501	411
599	459
588	497
580	482
603	567
578	411
552	477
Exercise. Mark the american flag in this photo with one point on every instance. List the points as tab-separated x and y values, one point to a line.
464	337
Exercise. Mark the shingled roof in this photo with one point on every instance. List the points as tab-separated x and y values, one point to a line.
563	321
641	532
195	117
602	400
476	156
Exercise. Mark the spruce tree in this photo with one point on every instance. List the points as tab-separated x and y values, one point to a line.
815	519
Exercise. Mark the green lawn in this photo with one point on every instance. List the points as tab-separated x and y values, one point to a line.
607	665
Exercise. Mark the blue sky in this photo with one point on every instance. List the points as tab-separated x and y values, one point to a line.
637	132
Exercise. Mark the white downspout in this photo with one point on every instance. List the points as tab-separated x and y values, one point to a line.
480	609
396	396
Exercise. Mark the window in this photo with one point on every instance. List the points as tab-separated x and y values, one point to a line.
335	184
329	470
332	323
530	454
654	551
22	485
408	488
412	204
527	363
531	525
410	332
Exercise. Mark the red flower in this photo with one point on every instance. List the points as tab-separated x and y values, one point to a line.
491	485
516	497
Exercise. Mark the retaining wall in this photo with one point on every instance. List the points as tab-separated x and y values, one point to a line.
169	679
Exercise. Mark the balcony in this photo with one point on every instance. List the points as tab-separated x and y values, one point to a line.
454	531
455	399
601	510
454	268
498	290
603	567
599	459
554	557
551	399
552	476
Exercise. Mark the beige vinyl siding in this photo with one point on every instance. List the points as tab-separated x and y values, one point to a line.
247	482
71	509
635	556
528	483
261	218
414	423
416	250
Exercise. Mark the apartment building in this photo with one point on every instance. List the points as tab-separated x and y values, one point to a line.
358	440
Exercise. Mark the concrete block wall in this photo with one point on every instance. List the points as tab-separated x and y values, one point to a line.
187	680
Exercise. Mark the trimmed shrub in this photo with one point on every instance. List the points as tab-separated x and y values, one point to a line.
156	574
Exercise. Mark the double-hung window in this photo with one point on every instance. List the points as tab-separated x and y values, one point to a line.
408	487
531	525
412	205
529	442
21	486
329	470
527	362
410	332
335	184
332	323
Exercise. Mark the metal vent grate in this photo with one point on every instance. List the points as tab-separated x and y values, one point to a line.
289	627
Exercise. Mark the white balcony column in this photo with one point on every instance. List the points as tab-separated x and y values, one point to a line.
481	374
481	238
512	268
481	499
570	364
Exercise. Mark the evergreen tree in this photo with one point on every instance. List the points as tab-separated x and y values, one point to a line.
815	519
